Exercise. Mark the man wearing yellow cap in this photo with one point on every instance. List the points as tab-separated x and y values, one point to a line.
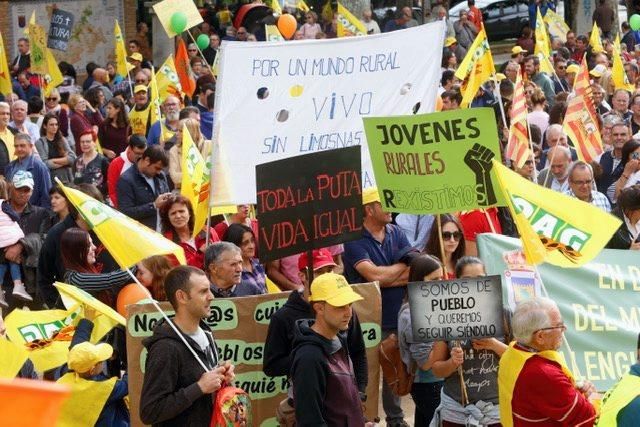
382	254
324	384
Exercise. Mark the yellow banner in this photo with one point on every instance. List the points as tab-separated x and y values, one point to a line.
348	24
5	76
53	77
542	47
479	52
121	52
12	357
168	80
556	25
618	75
38	46
554	227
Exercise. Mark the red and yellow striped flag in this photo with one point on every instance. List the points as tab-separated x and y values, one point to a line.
518	145
580	122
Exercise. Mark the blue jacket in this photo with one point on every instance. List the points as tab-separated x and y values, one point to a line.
136	197
628	416
41	179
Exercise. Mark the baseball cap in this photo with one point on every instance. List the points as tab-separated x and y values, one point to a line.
449	41
84	356
598	70
500	77
139	88
22	179
573	68
136	56
517	50
321	258
333	289
370	195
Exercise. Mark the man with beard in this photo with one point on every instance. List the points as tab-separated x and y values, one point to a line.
164	130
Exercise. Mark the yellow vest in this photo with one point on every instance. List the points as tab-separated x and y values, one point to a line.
511	364
139	120
617	398
86	402
7	137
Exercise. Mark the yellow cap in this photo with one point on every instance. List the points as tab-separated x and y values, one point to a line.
85	356
139	88
573	68
136	56
449	41
333	289
500	77
598	70
370	195
517	50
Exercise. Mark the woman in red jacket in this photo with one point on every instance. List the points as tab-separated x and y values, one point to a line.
177	225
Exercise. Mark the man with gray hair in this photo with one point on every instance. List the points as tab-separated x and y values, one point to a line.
223	266
536	387
559	162
19	120
581	186
32	169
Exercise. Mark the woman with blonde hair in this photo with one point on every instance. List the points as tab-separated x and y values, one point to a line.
175	152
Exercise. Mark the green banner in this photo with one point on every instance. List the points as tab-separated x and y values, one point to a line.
599	303
435	163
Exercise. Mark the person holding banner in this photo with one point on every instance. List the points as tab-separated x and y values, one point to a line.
472	361
175	390
426	387
536	387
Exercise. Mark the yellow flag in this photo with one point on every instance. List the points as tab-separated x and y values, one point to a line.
32	21
348	24
542	48
12	357
595	41
300	4
104	319
194	187
5	76
154	96
275	6
168	80
477	67
38	46
554	227
53	76
272	33
128	241
327	11
556	25
122	65
87	400
618	75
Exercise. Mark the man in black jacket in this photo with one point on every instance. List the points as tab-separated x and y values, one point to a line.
628	210
324	384
143	188
177	391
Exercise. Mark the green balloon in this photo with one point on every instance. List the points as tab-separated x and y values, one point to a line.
634	22
178	22
202	41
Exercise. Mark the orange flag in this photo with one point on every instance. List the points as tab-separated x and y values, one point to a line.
183	68
580	122
518	145
31	403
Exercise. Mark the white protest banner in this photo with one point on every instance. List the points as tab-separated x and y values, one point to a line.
456	309
281	99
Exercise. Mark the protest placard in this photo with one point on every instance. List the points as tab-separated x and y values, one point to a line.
595	301
281	99
435	163
457	309
309	202
60	29
240	329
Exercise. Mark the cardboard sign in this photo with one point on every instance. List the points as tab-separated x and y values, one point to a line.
240	329
60	29
457	309
435	163
309	202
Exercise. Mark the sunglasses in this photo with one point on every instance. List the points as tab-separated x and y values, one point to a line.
455	235
528	162
51	99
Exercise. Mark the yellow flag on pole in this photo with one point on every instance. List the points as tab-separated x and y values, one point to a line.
12	357
300	4
542	48
618	75
168	80
194	174
154	96
556	25
554	227
5	76
477	67
53	76
275	6
348	24
38	46
595	41
122	66
128	241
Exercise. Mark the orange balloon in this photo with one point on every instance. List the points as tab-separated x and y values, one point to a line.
287	25
130	294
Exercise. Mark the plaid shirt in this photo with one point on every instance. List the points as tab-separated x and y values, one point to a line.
597	199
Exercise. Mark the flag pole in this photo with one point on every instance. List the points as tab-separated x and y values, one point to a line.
200	52
168	320
497	92
439	223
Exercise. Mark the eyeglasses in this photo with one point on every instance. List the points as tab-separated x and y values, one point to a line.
528	162
562	67
455	235
192	50
53	98
551	328
583	182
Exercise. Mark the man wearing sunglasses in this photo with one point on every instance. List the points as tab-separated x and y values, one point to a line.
535	384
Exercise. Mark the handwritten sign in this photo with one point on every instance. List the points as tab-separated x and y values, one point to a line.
456	309
309	202
435	163
60	29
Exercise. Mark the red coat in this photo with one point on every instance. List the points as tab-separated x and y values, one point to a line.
195	257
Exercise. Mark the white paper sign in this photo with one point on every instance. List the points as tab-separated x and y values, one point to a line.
282	99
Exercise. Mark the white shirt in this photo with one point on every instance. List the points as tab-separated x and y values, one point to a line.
558	186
